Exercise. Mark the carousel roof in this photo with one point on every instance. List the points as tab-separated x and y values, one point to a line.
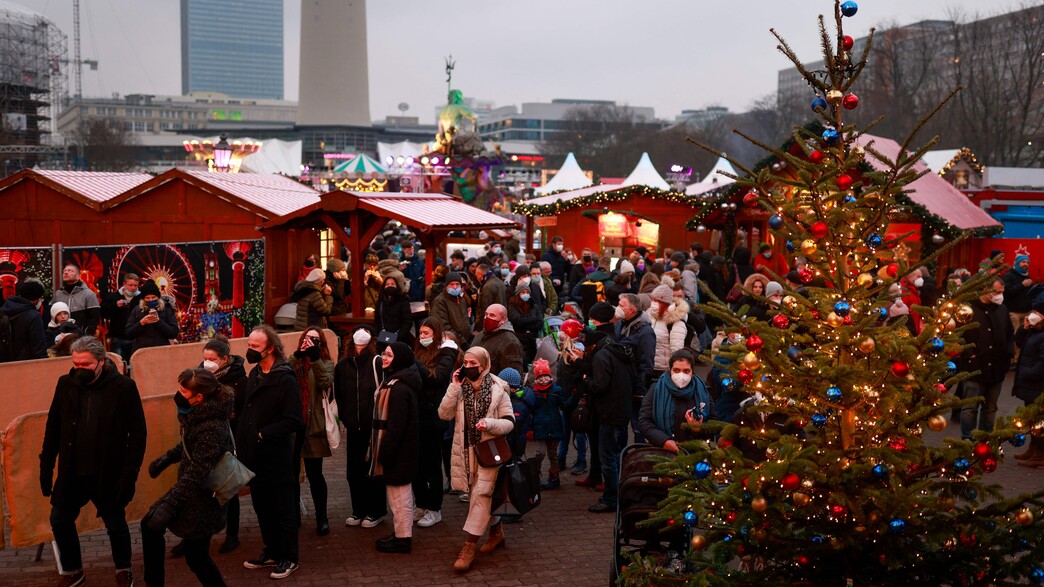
569	177
361	163
645	174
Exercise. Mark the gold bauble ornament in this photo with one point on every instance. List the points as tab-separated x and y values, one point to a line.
809	246
790	303
760	535
834	320
964	314
759	504
800	499
947	504
751	361
937	423
865	280
867	345
698	542
873	517
1024	517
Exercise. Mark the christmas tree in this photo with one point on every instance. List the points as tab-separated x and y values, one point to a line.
845	489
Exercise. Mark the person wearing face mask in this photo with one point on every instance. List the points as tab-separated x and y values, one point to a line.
667	317
152	322
496	253
910	288
769	263
677	398
413	269
526	319
436	358
265	430
314	369
478	403
392	313
355	384
189	509
494	291
28	340
500	340
450	308
96	432
578	272
82	301
394	442
990	354
1029	372
340	286
559	264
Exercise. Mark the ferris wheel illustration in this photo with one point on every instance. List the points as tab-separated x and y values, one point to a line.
166	265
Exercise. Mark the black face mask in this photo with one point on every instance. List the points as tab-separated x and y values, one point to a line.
253	356
182	402
390	291
470	373
83	376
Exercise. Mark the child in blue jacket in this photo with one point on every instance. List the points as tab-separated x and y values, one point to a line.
522	401
547	418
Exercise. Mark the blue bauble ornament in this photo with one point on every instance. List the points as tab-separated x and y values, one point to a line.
882	313
897	526
936	345
849	8
728	383
874	240
1037	576
833	393
817	539
830	136
951	368
701	469
880	471
971	493
819	420
690	518
819	103
744	530
961	465
850	199
794	353
790	247
842	308
1018	439
775	221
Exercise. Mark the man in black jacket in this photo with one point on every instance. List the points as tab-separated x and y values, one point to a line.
264	440
991	356
96	430
27	329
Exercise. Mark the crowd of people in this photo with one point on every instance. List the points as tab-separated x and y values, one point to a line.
512	347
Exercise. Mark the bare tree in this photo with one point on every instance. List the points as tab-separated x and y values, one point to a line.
107	145
603	138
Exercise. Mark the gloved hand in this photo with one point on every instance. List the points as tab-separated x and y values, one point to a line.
157	466
160	517
125	491
46	483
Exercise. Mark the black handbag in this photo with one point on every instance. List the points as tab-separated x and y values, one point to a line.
386	338
581	420
493	452
517	490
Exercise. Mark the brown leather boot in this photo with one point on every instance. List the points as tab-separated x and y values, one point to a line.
466	557
496	539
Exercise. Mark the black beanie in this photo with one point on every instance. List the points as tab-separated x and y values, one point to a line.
602	311
403	357
149	287
30	290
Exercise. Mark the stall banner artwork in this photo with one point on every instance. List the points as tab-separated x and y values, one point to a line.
17	265
216	287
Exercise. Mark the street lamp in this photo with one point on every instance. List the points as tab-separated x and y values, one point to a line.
222	154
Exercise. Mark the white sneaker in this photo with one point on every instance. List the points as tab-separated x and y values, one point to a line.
464	497
418	514
431	517
371	522
353	520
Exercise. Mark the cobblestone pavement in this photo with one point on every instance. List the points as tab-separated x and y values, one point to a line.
558	542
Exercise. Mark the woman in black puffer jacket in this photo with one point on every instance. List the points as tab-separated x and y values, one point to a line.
189	509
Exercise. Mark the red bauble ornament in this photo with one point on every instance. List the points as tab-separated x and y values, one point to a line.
724	442
806	275
670	521
780	321
730	517
750	200
819	230
754	343
837	510
897	443
847	321
900	369
844	181
745	376
847	43
850	102
989	465
982	450
814	314
968	540
791	482
892	270
801	560
816	156
940	388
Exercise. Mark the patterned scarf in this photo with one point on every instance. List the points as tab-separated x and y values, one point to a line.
380	427
476	406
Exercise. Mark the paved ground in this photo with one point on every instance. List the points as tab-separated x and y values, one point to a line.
559	541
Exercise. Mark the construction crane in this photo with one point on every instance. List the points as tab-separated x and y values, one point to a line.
77	62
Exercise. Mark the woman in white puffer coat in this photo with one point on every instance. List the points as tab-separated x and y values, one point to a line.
667	316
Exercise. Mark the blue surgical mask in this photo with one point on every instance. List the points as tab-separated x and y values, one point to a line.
525	297
505	273
496	250
453	291
152	304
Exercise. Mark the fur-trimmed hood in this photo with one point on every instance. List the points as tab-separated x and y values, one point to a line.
677	311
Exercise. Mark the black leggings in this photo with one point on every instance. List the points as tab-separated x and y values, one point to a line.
317	486
232	526
427	486
197	556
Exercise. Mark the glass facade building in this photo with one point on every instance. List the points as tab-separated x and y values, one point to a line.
232	46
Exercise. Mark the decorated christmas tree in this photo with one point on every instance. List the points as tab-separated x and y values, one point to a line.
829	480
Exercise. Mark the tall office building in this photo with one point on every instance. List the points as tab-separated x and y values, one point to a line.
335	85
232	46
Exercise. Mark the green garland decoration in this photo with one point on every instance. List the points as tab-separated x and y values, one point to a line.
253	311
555	208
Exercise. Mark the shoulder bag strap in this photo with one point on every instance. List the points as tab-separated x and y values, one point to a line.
233	437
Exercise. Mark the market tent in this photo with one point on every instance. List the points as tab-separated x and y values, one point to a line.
361	164
645	174
400	149
275	156
569	177
714	178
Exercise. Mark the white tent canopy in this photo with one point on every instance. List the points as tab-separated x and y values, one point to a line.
713	179
569	177
645	174
396	150
274	156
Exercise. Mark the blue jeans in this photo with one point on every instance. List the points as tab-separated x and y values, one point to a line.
122	347
563	448
985	411
611	442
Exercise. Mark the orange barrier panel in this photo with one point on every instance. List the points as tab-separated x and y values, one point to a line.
156	369
29	511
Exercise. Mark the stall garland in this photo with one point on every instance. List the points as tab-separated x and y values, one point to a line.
554	208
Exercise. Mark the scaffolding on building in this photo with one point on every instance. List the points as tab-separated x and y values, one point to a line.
32	86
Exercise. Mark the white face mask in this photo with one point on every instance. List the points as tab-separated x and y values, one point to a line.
620	313
1034	318
524	280
997	298
918	282
361	337
559	248
425	341
767	254
210	366
682	380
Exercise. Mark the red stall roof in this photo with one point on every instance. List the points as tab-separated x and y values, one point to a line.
91	188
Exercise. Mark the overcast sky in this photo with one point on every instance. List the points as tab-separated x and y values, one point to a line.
668	54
